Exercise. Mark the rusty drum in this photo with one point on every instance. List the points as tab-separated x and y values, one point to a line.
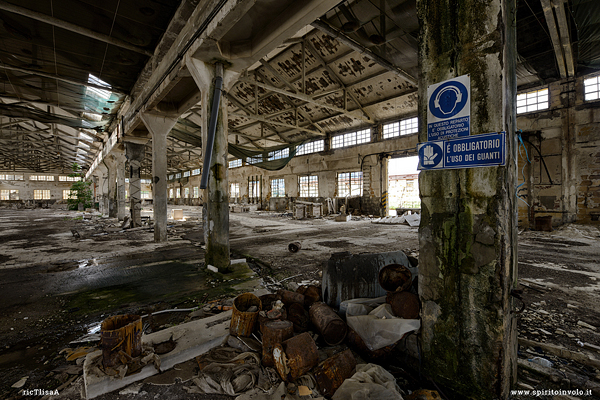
328	323
299	317
404	304
395	278
331	373
245	312
295	356
120	333
288	297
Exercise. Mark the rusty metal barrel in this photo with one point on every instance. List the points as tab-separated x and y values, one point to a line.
298	316
311	294
332	328
404	304
288	297
331	373
274	332
120	333
245	312
395	278
295	356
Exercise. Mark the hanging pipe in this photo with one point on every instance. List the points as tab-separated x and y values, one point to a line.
212	125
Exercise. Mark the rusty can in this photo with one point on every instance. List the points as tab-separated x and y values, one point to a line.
311	294
274	332
242	321
295	356
404	304
328	323
120	333
299	317
288	297
395	278
294	247
331	373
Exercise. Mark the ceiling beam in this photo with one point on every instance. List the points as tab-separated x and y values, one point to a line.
262	119
71	27
307	99
554	36
565	36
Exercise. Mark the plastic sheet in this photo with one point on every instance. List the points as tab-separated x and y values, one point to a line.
378	328
370	382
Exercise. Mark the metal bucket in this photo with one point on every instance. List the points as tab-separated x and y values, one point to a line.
242	321
120	333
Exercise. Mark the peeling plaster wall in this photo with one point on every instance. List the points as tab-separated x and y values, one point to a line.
567	136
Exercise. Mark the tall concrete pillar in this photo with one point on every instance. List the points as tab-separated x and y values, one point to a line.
216	201
467	237
135	154
103	188
111	164
159	126
121	201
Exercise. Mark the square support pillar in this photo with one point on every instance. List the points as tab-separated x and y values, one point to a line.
121	201
215	214
135	154
159	126
468	231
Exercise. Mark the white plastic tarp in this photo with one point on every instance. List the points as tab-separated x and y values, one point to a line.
378	327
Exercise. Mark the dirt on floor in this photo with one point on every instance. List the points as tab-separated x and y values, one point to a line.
61	273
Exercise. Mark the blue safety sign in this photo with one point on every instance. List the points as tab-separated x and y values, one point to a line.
486	150
449	109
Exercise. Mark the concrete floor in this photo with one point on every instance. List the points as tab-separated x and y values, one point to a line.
54	287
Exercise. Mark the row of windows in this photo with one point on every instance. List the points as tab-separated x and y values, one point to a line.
176	193
63	178
9	194
46	178
349	184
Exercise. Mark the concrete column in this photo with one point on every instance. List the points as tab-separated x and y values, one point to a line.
135	154
467	237
103	188
216	201
111	164
159	126
121	201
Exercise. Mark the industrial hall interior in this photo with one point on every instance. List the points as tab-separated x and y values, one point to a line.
300	199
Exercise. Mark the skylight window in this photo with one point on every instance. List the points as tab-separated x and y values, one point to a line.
103	94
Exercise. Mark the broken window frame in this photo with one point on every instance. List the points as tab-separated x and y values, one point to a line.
349	184
235	163
41	194
278	187
351	138
311	147
196	192
591	88
533	101
405	126
234	190
308	186
5	194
